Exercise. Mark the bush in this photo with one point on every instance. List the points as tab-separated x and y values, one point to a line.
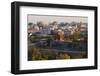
63	56
37	54
40	54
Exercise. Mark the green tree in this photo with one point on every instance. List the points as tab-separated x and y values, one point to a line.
75	36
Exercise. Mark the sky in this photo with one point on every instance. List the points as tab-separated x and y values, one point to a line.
50	18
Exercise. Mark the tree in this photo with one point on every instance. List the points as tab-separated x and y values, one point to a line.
75	36
54	23
40	24
62	24
30	24
49	40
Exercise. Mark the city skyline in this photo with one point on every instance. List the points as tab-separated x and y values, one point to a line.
50	18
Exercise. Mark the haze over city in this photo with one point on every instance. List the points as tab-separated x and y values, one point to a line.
50	18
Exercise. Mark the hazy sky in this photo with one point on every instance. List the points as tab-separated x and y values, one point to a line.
48	19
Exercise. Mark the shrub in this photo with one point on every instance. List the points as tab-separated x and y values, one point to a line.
63	56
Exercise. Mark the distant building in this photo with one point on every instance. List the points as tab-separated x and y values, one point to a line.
45	31
35	28
30	28
67	32
54	26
